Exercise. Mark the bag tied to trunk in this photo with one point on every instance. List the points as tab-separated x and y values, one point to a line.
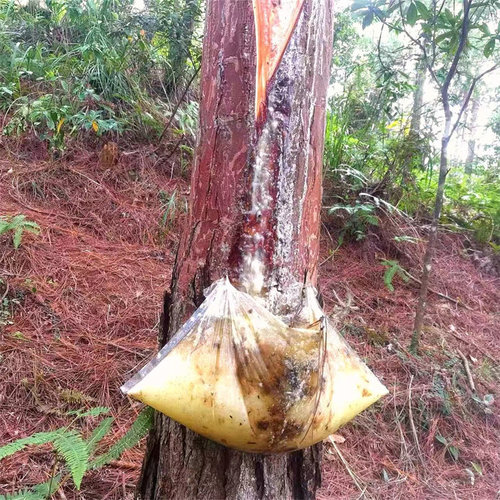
237	374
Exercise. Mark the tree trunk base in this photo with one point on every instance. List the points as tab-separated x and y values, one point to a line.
190	466
180	464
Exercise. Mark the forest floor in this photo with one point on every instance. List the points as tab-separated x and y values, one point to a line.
80	312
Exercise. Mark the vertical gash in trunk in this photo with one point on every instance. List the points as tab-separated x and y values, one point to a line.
262	232
254	216
278	245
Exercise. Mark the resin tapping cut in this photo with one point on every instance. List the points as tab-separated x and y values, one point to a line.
237	374
275	21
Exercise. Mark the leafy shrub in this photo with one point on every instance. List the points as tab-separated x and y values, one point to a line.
69	67
359	217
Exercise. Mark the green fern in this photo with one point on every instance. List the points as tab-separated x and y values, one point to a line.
393	268
98	434
93	412
67	443
138	430
70	445
18	224
41	491
75	451
36	439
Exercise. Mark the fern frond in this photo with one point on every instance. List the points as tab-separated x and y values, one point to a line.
18	224
18	235
138	430
70	445
388	277
392	268
41	491
36	439
93	412
17	220
98	433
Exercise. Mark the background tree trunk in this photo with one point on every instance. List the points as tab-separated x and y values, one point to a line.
180	34
179	463
471	144
418	98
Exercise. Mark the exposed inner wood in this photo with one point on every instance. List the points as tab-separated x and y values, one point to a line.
274	25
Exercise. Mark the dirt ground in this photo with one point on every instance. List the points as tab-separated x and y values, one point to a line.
80	311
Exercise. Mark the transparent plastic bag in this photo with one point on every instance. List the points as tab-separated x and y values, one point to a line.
237	374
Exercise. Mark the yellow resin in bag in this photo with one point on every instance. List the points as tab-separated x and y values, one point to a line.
237	374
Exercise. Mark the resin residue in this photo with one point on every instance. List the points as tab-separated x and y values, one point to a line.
274	25
257	232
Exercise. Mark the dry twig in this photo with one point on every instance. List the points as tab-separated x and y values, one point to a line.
412	423
467	370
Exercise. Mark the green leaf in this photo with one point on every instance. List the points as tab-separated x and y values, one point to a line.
98	434
359	4
70	445
388	277
477	468
138	430
423	10
393	267
4	226
489	48
412	14
444	36
93	412
18	234
403	275
368	19
484	29
36	439
454	452
441	439
40	491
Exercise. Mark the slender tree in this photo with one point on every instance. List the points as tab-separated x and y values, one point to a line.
443	38
272	161
450	126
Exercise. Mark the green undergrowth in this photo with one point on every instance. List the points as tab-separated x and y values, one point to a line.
97	68
74	453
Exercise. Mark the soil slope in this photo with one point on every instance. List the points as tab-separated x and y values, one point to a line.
80	312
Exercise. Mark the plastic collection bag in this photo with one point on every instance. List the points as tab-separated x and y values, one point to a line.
237	374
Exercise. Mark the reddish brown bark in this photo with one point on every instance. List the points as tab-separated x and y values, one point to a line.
179	463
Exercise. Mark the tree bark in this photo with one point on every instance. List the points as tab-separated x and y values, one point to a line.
418	98
179	463
471	144
431	242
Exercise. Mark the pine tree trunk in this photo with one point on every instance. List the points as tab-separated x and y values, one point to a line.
179	463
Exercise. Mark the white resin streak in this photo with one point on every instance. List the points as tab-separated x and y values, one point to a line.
253	267
284	287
